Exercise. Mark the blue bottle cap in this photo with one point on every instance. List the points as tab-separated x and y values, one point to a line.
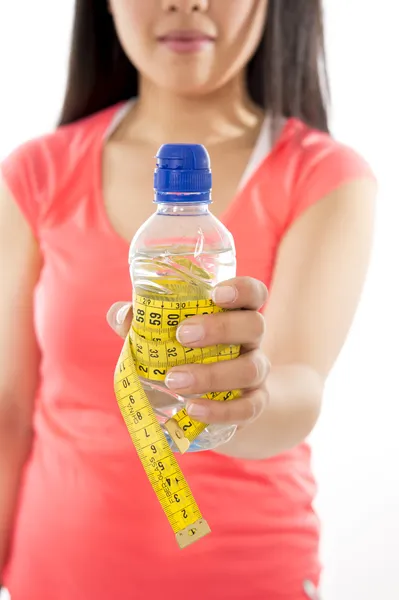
183	174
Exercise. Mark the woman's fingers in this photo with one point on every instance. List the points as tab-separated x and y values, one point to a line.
235	327
233	412
248	372
245	372
119	317
241	292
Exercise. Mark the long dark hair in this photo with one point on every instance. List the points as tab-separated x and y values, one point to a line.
287	75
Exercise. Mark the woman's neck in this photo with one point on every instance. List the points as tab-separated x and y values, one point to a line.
226	115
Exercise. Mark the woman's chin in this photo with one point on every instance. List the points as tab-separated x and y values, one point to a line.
188	89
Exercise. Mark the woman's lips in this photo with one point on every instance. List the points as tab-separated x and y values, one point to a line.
186	41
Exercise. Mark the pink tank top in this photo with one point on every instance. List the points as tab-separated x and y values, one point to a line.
89	526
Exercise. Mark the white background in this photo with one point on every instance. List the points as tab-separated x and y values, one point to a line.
356	445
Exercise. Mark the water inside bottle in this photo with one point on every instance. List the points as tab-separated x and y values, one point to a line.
164	272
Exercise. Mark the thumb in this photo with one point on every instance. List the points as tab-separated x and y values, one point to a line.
119	317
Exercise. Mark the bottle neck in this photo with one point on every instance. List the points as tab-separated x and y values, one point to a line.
183	209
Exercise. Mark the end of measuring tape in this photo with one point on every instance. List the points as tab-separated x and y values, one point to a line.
177	435
192	533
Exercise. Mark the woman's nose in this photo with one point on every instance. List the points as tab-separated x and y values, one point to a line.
185	6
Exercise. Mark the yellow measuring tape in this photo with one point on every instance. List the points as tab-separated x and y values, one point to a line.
149	351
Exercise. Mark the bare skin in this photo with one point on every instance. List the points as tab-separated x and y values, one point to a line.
301	332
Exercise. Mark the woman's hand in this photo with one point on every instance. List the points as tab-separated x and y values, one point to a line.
248	372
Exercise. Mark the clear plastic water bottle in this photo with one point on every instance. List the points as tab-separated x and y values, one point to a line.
182	244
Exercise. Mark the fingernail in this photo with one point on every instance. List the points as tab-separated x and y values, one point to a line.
176	380
224	294
187	334
198	412
122	314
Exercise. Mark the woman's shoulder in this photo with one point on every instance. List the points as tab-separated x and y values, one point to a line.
311	164
309	148
37	169
66	141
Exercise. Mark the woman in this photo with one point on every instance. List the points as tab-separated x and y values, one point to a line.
78	518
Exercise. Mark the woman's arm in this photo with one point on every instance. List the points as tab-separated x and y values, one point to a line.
319	275
321	266
19	356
